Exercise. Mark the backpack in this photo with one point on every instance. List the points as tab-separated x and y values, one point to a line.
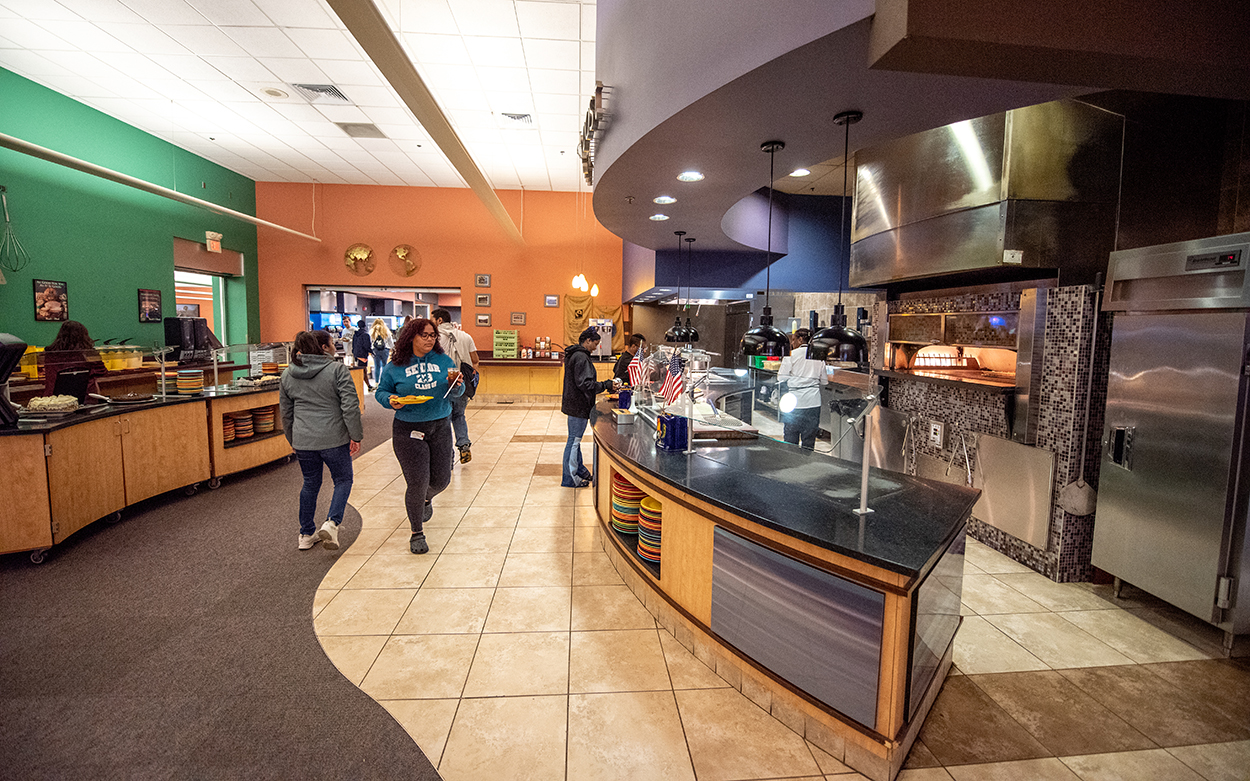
379	344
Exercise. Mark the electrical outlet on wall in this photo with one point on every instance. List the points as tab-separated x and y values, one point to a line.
937	433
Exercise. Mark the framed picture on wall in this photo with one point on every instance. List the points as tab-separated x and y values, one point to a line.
481	280
551	301
149	306
51	300
483	321
483	299
518	318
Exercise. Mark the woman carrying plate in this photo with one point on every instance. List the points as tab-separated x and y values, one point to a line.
417	384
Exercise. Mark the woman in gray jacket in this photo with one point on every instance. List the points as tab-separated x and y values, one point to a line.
321	419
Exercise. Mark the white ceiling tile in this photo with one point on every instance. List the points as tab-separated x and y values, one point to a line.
555	82
263	41
501	52
456	100
298	13
588	56
468	119
560	21
230	12
588	84
511	102
325	44
188	66
426	48
559	104
340	142
443	77
204	40
242	69
406	135
225	91
294	71
78	86
256	111
418	179
589	14
35	36
426	16
474	137
320	130
561	55
565	139
342	113
381	96
89	37
296	110
175	89
145	38
166	11
31	64
486	17
389	116
139	67
504	79
346	73
41	10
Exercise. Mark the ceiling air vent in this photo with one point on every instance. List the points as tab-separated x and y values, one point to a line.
322	93
361	130
518	119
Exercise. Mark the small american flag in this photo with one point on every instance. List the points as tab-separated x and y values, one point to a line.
635	371
673	384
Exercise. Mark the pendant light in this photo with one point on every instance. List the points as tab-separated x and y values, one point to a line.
764	339
692	334
677	332
837	342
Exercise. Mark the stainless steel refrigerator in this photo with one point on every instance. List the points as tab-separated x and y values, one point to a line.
1173	487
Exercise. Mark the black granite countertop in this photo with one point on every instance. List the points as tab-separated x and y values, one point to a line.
41	425
808	496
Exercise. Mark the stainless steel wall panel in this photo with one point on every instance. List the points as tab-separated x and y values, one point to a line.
1183	275
936	604
1017	485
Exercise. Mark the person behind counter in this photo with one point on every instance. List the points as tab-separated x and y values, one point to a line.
321	419
73	348
803	377
416	384
621	370
581	385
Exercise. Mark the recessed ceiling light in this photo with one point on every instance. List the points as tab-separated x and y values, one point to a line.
800	172
659	217
689	176
664	199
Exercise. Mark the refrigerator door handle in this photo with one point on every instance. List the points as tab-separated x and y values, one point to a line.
1120	446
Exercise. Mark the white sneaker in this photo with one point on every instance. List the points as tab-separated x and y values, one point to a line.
329	535
306	541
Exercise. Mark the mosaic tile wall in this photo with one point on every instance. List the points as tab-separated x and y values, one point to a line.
1062	397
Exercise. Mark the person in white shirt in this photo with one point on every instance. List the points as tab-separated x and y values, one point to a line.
459	345
803	377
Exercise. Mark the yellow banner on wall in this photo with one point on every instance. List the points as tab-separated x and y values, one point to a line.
577	312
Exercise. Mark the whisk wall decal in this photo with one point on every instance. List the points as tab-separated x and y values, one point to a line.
13	255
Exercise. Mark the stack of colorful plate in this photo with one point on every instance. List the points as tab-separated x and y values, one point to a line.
227	428
625	500
262	419
649	530
190	382
242	424
269	367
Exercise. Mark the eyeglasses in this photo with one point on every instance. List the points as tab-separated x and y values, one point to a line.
429	334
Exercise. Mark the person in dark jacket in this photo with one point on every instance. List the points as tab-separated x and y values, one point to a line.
321	419
621	370
360	346
581	385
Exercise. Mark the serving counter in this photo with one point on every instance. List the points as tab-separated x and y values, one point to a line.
840	624
528	376
72	469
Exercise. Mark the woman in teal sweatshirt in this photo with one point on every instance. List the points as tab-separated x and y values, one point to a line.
416	383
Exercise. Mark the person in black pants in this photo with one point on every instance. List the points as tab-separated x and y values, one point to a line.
360	346
581	385
416	384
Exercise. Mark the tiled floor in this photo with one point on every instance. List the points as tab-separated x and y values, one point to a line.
514	651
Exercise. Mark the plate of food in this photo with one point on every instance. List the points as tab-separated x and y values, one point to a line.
406	400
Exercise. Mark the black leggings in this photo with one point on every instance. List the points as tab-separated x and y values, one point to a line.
426	463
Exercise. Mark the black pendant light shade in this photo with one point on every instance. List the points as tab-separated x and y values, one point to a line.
764	339
692	333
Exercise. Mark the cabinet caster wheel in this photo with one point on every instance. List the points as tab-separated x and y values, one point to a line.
114	518
38	556
191	490
214	483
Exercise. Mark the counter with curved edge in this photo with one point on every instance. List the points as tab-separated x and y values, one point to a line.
65	471
841	625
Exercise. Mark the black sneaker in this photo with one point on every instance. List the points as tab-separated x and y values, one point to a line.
417	543
465	455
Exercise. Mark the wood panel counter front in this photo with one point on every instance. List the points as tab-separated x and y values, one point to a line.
842	624
528	376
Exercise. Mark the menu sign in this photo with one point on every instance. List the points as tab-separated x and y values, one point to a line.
51	300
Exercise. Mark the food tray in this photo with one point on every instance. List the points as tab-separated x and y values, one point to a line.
46	415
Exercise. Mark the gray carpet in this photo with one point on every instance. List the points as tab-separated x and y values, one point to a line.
178	643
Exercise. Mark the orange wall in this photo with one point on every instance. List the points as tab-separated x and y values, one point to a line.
457	239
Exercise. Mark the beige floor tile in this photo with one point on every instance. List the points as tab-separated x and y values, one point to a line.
542	540
353	655
524	663
530	609
391	496
586	496
911	774
1155	764
427	722
490	517
466	570
553	495
389	570
828	765
370	481
684	669
363	612
1132	636
445	514
382	516
731	738
479	540
360	495
416	667
987	595
989	560
644	735
458	497
446	611
537	569
1052	595
981	648
435	537
367	542
594	569
534	516
341	572
500	497
587	539
1217	761
617	661
507	739
1048	769
608	607
585	515
381	467
1055	641
324	595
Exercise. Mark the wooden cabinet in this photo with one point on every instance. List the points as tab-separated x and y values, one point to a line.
85	477
358	379
25	515
231	457
164	448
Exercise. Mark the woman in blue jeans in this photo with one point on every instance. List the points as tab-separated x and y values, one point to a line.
321	419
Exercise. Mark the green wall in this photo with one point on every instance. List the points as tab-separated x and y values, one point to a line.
104	239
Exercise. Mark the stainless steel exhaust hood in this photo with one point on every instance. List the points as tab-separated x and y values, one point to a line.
1032	189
